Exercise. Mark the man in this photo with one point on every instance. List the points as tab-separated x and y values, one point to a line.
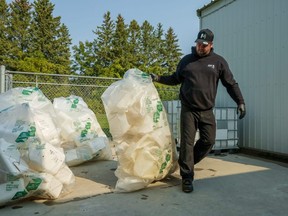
199	74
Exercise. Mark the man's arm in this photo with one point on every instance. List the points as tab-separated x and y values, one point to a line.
233	89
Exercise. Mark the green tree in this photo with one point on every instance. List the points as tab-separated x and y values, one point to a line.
103	46
19	32
62	44
172	52
20	19
133	52
157	65
84	59
147	41
50	39
121	62
118	47
5	44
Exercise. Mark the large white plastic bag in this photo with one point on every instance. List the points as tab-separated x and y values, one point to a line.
23	152
82	136
17	126
138	123
41	109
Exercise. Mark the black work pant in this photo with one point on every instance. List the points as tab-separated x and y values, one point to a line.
191	154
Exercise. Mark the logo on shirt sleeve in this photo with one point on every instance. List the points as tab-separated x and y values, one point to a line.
211	66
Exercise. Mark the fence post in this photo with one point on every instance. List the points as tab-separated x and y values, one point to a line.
2	79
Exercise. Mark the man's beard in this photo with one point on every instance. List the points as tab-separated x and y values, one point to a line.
201	54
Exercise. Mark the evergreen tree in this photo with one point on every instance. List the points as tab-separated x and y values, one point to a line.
50	39
103	45
19	32
133	45
157	65
20	24
4	42
148	43
172	52
62	45
120	48
84	59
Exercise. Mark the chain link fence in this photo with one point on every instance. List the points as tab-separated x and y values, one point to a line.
87	87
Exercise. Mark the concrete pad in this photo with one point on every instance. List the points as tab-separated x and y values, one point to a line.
231	184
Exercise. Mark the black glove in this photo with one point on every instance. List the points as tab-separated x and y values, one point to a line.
154	77
242	110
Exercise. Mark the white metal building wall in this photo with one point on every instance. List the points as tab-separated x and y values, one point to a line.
252	35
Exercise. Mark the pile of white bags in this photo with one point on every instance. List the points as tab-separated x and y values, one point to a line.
32	141
144	145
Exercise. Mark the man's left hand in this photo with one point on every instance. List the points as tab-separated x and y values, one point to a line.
241	110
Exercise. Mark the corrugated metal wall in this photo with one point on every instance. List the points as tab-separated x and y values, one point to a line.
252	36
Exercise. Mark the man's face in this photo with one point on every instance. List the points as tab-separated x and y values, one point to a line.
203	49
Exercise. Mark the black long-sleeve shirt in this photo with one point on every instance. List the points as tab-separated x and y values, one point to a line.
199	77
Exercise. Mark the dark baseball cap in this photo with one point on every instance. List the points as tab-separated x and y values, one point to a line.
205	36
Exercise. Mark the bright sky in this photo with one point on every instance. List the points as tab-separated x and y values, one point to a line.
82	17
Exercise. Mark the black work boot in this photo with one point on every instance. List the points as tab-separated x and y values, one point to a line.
187	185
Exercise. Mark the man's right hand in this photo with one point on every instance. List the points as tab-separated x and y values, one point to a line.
154	77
